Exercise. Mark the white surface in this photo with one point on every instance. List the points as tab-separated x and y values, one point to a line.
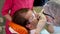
44	31
56	29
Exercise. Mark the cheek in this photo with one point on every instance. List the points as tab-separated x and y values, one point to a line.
28	14
33	24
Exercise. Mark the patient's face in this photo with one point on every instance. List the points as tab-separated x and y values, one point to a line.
32	19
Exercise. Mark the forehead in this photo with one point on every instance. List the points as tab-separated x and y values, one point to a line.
28	14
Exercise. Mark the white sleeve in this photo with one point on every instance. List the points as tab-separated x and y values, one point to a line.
12	30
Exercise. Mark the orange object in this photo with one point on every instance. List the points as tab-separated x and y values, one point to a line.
18	28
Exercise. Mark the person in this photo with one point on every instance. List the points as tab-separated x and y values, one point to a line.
48	25
10	6
23	17
30	16
19	22
52	12
40	28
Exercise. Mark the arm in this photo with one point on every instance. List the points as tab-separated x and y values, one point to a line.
5	10
40	24
50	25
8	17
50	29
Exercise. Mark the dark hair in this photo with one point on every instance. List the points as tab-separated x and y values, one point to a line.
19	19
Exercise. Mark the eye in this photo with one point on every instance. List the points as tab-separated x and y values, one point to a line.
38	18
32	17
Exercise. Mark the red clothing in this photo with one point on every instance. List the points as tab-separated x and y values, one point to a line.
14	5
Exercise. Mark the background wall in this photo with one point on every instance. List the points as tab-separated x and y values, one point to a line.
2	30
1	4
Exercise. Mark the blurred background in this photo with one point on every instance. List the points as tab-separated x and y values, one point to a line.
2	19
37	6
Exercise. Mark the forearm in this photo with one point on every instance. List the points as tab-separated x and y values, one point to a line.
41	24
50	28
8	17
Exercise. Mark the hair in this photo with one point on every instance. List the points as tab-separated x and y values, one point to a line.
19	19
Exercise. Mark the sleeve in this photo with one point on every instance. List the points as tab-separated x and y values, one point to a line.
19	29
6	7
22	31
